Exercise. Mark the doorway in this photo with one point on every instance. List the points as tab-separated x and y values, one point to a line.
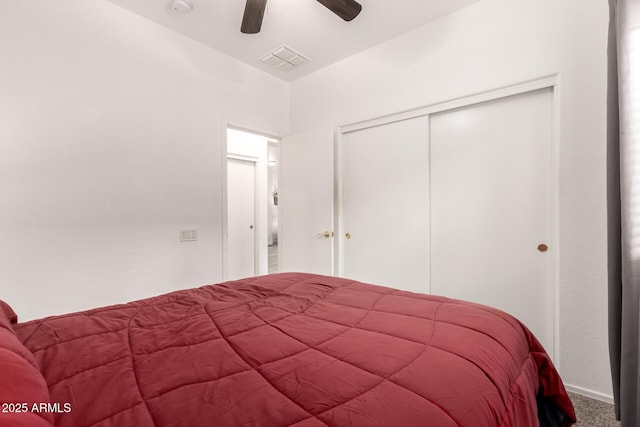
252	199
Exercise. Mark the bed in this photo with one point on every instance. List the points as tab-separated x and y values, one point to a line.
287	349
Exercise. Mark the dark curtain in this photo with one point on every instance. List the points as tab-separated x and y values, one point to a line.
623	174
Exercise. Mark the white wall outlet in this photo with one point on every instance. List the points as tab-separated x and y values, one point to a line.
188	234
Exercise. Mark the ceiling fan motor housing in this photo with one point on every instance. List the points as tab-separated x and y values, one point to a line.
254	12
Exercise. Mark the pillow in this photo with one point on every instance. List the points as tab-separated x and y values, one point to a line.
8	317
23	386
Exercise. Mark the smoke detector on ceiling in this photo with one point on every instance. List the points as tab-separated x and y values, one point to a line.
284	58
180	7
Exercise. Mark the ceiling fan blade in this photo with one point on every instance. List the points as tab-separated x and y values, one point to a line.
345	9
253	14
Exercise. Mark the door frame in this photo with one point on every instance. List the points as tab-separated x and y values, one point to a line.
551	82
256	208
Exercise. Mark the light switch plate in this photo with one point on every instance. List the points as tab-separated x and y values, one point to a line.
188	234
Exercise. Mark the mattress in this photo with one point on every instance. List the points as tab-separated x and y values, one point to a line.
290	349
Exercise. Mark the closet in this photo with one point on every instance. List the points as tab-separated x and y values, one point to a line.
457	201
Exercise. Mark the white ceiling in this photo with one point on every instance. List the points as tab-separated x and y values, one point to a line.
305	25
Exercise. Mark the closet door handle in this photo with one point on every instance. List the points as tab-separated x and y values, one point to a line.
325	234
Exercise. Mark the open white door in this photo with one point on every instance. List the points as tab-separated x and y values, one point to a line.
306	202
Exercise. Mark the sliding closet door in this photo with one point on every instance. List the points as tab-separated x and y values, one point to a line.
385	183
491	230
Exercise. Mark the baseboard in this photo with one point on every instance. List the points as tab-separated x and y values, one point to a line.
589	393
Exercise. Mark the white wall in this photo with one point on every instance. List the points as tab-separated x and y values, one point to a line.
111	139
492	44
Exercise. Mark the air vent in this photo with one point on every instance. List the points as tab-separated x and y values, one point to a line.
284	58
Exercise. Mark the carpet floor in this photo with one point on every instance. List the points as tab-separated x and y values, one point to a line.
593	413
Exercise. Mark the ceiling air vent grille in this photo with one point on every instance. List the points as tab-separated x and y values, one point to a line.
284	58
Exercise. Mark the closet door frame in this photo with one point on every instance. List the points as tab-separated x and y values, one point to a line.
551	82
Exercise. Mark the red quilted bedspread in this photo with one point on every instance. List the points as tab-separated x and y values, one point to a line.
295	350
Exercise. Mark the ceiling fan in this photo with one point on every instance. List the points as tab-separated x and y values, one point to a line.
254	12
